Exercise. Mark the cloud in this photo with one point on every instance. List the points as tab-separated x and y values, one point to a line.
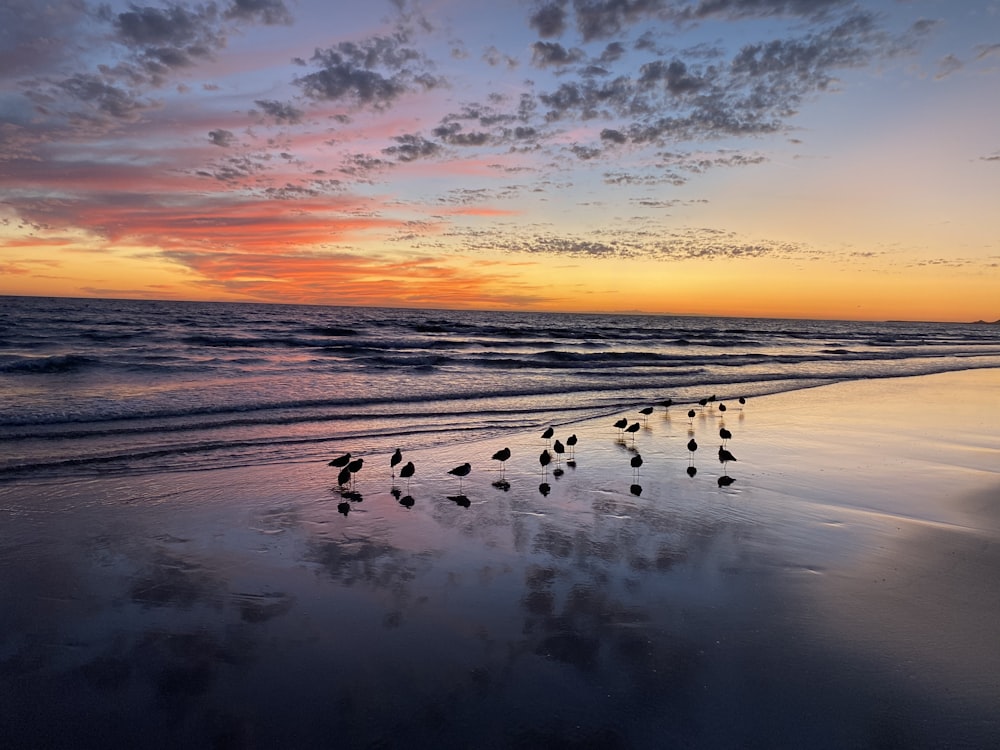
948	65
545	54
412	147
220	137
549	20
281	112
267	12
372	73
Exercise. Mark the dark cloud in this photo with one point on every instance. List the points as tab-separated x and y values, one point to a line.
412	147
267	12
374	72
741	9
600	19
95	93
280	111
544	54
495	58
674	75
613	136
549	20
165	39
220	137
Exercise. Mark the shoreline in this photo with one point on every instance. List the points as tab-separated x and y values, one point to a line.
841	593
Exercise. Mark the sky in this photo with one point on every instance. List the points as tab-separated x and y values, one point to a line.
773	158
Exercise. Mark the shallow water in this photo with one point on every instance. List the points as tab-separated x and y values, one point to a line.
119	386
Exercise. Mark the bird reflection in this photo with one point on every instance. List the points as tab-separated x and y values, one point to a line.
725	480
544	488
636	489
502	484
692	470
407	501
344	508
460	500
396	492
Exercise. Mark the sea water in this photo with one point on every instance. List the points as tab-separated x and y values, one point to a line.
104	386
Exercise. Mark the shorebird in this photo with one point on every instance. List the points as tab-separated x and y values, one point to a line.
545	459
547	435
725	456
724	434
559	449
692	446
667	403
743	401
396	458
645	412
344	477
621	424
460	472
633	428
722	407
691	415
406	472
636	463
571	444
502	455
355	466
340	461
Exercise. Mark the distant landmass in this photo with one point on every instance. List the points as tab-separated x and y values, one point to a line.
994	323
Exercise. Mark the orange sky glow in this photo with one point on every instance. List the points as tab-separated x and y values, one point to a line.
820	159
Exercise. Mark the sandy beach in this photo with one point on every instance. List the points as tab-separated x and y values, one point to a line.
842	592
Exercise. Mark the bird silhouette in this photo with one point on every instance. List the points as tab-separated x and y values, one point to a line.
571	444
621	424
667	403
355	466
724	434
547	435
692	445
725	456
545	458
340	461
396	458
722	407
742	401
633	428
558	448
461	472
636	463
502	455
645	412
406	472
344	477
691	415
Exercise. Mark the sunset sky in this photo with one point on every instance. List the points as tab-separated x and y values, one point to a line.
792	158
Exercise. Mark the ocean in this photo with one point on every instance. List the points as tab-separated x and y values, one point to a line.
127	386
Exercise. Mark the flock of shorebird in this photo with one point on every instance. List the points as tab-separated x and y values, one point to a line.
554	453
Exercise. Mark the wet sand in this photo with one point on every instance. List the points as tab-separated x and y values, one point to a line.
842	592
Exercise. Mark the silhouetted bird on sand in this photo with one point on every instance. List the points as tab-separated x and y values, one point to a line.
692	445
502	455
722	407
743	401
344	477
545	459
725	456
547	435
355	465
621	424
396	458
636	463
645	412
633	428
559	449
691	415
340	461
406	472
461	472
724	433
571	444
667	403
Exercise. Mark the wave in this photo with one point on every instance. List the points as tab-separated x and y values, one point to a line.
58	363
